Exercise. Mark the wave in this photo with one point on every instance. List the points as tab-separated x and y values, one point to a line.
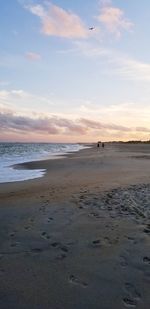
15	153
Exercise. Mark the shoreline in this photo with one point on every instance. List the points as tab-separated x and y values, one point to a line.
87	167
78	234
24	153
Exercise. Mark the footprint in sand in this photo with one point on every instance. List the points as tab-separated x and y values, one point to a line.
29	224
78	281
61	256
94	215
109	242
96	242
45	235
12	234
64	248
31	220
147	229
27	227
128	302
146	259
58	245
81	197
132	295
81	207
50	219
55	244
123	261
132	239
42	208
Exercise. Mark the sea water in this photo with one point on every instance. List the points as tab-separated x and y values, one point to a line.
15	153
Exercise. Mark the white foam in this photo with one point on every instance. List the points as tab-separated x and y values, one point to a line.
12	154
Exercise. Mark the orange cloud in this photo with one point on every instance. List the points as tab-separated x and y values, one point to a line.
59	22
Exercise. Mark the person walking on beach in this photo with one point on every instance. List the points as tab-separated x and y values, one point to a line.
98	144
103	145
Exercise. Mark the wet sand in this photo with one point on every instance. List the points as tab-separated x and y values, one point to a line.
80	236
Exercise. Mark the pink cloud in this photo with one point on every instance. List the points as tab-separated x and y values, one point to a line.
58	22
114	20
26	128
142	129
100	126
9	121
33	56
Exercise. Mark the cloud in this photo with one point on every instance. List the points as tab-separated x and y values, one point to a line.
33	56
44	125
99	126
118	121
132	69
10	121
143	129
4	83
118	63
59	22
113	19
72	126
54	127
124	113
23	98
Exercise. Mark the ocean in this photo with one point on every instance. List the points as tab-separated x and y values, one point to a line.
14	153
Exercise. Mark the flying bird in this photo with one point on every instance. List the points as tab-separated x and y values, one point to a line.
91	28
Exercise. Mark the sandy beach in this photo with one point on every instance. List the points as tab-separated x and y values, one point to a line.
79	237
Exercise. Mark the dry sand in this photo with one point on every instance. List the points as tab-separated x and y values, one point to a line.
78	237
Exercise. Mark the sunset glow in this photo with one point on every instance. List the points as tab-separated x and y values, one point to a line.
74	71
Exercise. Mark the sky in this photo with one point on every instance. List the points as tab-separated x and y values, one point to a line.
74	71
